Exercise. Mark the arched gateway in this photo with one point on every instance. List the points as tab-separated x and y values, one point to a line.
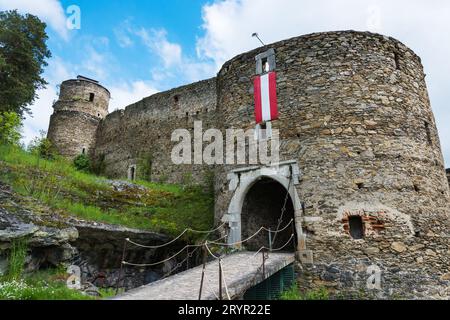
259	195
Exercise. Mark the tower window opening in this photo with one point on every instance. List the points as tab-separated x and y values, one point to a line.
83	151
91	97
176	98
428	131
356	227
360	185
397	61
265	65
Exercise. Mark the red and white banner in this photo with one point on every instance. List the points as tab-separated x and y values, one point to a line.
266	105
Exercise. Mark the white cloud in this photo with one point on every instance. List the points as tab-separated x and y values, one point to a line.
156	41
57	71
50	11
123	34
95	64
125	94
424	26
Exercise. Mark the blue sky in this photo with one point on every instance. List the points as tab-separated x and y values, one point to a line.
137	48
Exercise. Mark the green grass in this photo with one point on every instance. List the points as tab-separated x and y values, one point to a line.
45	285
294	294
16	259
42	285
57	184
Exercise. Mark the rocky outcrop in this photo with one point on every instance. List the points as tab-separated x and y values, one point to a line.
96	248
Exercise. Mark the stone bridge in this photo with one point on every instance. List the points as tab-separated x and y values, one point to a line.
241	271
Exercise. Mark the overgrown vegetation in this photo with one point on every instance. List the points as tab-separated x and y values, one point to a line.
82	163
10	125
145	166
295	294
16	259
150	206
43	285
42	147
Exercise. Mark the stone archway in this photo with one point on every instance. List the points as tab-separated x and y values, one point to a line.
263	206
286	174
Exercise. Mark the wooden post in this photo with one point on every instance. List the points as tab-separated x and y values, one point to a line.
187	258
220	279
121	266
270	240
293	236
264	264
203	273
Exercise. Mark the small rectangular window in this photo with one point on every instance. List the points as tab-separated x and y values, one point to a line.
265	65
356	227
91	97
428	132
397	61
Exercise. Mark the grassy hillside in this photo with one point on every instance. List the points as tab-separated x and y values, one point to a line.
57	184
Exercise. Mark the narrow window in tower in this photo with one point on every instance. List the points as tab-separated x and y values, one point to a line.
91	97
176	99
397	61
428	131
83	151
356	227
265	65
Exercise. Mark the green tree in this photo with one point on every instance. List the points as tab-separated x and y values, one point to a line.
10	125
23	54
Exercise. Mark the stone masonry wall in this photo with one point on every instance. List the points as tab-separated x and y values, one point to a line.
77	113
71	132
355	115
143	132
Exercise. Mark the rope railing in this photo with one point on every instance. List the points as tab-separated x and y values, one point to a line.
162	261
278	249
189	255
252	236
279	230
176	238
207	250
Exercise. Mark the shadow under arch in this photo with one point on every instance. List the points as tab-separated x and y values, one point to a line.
240	213
268	204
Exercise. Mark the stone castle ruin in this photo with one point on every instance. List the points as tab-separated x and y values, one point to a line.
360	157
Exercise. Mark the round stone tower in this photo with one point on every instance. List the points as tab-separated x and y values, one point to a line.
82	104
360	158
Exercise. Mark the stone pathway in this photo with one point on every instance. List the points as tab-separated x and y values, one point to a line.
239	271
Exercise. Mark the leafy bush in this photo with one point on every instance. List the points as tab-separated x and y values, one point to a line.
82	163
10	125
42	147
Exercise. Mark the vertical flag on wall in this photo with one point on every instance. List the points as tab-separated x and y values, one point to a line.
266	105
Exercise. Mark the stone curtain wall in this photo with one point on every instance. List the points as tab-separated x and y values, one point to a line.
355	114
142	133
75	119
